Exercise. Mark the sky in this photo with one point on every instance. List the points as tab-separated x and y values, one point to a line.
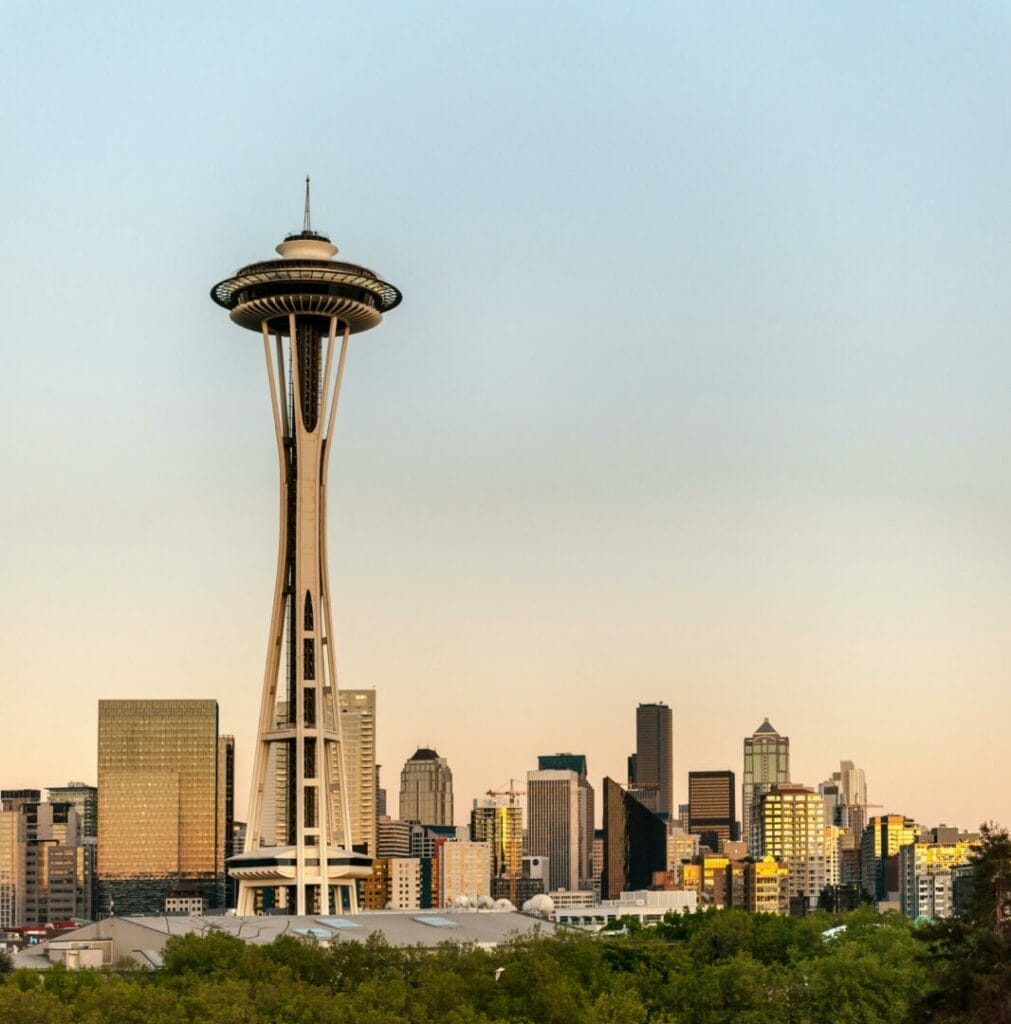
698	392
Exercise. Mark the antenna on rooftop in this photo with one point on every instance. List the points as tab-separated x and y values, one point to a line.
307	223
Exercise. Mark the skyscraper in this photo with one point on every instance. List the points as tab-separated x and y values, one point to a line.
160	796
635	843
711	808
85	801
766	764
499	823
426	789
358	730
305	306
560	820
653	761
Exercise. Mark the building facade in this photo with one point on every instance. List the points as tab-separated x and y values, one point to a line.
358	737
653	762
790	826
711	808
881	841
464	871
160	804
426	789
635	843
766	764
499	823
554	825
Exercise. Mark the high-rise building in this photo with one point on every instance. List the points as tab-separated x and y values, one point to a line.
790	826
160	795
305	306
652	764
585	809
554	825
85	801
13	844
766	764
393	837
882	838
926	877
711	814
499	823
358	732
635	843
426	789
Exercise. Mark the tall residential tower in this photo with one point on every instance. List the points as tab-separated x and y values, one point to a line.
766	764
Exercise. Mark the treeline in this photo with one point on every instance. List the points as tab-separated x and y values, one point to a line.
718	967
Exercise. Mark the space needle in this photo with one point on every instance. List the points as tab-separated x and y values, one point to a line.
305	305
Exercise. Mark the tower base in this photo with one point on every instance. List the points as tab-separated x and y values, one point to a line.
274	867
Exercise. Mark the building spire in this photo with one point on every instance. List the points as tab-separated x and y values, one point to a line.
307	222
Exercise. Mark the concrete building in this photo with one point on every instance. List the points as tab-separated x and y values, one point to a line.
85	801
651	768
393	838
13	844
358	736
766	764
161	798
560	826
464	871
635	843
711	812
304	307
647	907
926	872
405	883
426	789
790	826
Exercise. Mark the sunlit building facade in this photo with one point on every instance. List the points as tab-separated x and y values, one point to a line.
711	812
162	799
426	789
766	764
926	877
881	841
493	820
358	734
790	826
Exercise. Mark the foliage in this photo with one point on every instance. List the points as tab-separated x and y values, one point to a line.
6	963
716	967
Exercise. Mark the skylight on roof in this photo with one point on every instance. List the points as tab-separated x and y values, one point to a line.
436	922
338	922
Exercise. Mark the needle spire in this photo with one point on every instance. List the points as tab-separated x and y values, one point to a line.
307	223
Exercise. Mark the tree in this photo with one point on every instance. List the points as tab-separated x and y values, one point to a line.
6	963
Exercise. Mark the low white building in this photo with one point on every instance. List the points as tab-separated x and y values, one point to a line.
647	906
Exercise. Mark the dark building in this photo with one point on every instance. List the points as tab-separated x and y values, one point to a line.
635	843
654	757
711	812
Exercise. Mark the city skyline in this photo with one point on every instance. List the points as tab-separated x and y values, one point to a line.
771	482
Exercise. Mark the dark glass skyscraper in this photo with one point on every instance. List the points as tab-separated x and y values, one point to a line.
654	757
635	843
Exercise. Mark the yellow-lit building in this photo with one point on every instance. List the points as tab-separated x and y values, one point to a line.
495	822
790	826
766	887
882	839
925	876
162	793
374	891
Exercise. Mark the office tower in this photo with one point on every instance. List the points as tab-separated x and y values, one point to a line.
882	838
652	764
358	731
585	810
560	811
635	843
15	799
426	789
160	796
790	826
711	814
305	306
393	837
498	821
766	763
852	789
85	801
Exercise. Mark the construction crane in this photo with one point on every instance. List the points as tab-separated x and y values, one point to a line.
511	849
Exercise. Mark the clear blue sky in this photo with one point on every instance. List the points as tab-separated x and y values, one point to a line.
699	390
